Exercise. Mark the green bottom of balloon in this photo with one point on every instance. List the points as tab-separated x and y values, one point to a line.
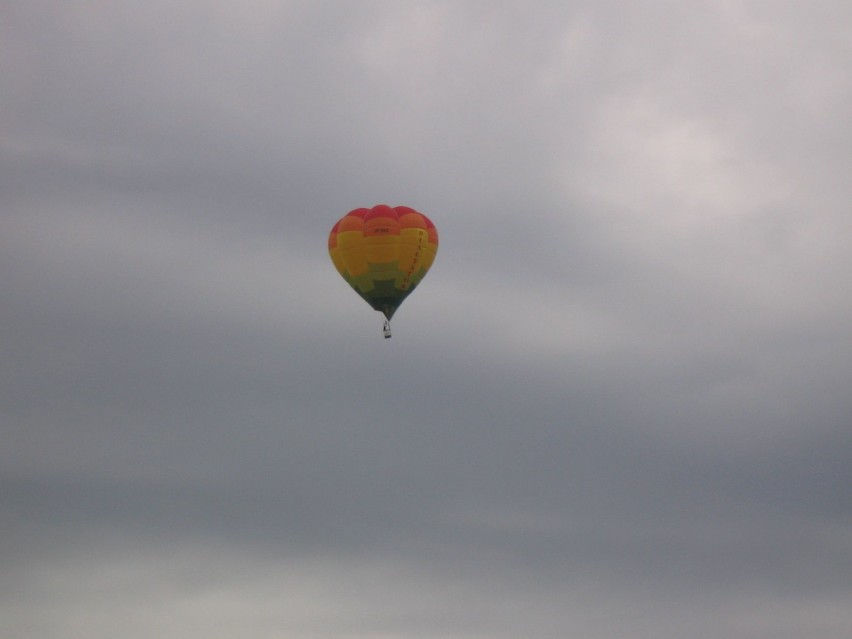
383	296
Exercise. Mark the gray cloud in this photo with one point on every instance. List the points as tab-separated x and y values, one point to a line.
617	406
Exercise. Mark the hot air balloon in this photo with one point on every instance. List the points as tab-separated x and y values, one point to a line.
383	253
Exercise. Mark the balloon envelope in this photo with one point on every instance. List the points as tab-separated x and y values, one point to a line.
383	253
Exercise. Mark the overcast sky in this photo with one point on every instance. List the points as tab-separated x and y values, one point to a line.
619	405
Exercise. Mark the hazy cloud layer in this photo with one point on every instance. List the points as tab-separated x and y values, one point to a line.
618	406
